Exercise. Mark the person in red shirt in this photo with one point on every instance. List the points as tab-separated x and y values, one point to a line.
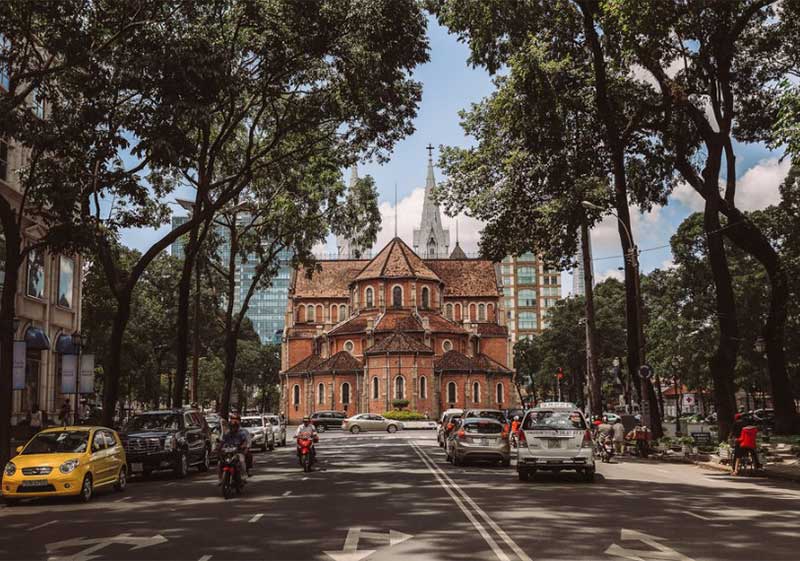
745	445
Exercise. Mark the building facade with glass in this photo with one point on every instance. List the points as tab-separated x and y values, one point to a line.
529	291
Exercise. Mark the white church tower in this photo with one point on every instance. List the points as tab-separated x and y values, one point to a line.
431	240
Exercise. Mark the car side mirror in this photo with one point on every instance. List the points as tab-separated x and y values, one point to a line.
19	449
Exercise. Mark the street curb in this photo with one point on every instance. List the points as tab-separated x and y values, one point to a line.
767	473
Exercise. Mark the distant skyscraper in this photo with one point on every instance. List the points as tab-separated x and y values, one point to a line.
431	240
578	281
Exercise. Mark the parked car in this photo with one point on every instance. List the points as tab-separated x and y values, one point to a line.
260	430
555	437
370	422
278	428
496	414
445	420
66	461
324	420
217	427
479	438
167	439
612	417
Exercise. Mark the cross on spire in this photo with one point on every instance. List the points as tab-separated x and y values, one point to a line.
429	148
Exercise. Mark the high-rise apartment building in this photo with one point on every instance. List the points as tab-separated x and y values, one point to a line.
529	291
578	281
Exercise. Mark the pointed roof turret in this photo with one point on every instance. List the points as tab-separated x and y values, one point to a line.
396	260
431	240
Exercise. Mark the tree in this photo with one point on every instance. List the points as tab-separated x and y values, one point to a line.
245	87
527	364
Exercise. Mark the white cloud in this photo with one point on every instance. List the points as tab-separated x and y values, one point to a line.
759	187
611	274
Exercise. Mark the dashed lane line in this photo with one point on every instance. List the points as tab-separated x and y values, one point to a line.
42	525
700	516
205	558
123	499
287	493
256	518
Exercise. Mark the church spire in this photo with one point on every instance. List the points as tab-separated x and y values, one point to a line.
345	248
431	240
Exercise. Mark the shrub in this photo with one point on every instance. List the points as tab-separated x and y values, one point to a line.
400	403
404	415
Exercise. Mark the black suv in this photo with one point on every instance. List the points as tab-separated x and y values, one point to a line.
167	439
325	420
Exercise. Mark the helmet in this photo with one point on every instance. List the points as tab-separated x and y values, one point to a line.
516	417
306	418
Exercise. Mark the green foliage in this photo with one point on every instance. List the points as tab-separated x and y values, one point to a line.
400	403
404	415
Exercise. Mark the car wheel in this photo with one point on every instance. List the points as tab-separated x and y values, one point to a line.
524	475
321	428
122	480
206	463
87	489
588	475
182	469
391	429
355	430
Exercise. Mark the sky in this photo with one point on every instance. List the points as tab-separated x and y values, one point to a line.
450	84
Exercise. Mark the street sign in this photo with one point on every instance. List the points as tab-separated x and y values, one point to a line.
18	371
645	372
702	437
69	373
86	384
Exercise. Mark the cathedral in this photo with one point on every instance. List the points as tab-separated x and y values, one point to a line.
401	330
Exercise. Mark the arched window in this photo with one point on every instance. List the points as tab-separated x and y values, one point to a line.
369	297
399	388
375	388
310	313
458	314
349	347
448	311
451	392
472	314
320	313
296	395
481	312
397	296
301	310
490	312
426	298
345	393
476	392
321	393
342	312
334	313
499	393
447	345
423	387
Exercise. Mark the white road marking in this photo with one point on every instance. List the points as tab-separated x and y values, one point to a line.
123	499
305	478
287	493
205	558
624	492
701	517
42	525
658	551
478	526
170	484
256	518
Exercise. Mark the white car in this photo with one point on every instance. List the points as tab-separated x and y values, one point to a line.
261	433
554	437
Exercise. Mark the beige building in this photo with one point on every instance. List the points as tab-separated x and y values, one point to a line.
529	290
48	301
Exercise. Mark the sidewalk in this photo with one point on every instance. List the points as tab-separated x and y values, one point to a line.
786	472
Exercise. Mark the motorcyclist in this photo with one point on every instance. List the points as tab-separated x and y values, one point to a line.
308	430
237	438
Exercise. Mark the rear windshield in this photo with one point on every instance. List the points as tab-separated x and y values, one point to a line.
58	442
252	422
153	421
496	415
274	421
483	427
554	420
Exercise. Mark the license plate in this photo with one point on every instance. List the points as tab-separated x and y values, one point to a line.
554	444
482	442
36	483
137	466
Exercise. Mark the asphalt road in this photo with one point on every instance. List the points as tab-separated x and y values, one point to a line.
389	497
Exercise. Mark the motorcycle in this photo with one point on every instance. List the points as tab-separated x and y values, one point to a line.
606	449
231	472
305	452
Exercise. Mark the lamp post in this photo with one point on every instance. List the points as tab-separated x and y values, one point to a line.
760	347
676	380
77	343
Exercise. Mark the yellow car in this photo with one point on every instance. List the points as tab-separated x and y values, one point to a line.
66	461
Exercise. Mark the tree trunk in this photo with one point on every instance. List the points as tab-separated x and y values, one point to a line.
182	329
230	369
8	303
593	369
113	362
723	361
195	394
750	239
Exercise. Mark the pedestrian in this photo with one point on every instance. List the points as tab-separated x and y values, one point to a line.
83	411
35	419
619	437
63	415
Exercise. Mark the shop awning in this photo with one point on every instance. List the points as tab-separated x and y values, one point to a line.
65	345
36	339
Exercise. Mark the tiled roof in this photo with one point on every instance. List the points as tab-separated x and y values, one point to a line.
397	260
492	330
305	365
357	324
440	324
399	342
331	280
453	361
340	362
457	252
465	277
487	364
398	320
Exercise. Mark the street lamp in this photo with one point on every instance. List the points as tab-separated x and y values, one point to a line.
761	347
77	343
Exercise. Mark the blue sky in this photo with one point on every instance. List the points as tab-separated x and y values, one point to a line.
449	85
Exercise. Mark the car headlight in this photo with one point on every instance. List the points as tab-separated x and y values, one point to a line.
170	443
11	469
68	466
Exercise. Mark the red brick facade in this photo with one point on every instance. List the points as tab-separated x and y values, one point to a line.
363	333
